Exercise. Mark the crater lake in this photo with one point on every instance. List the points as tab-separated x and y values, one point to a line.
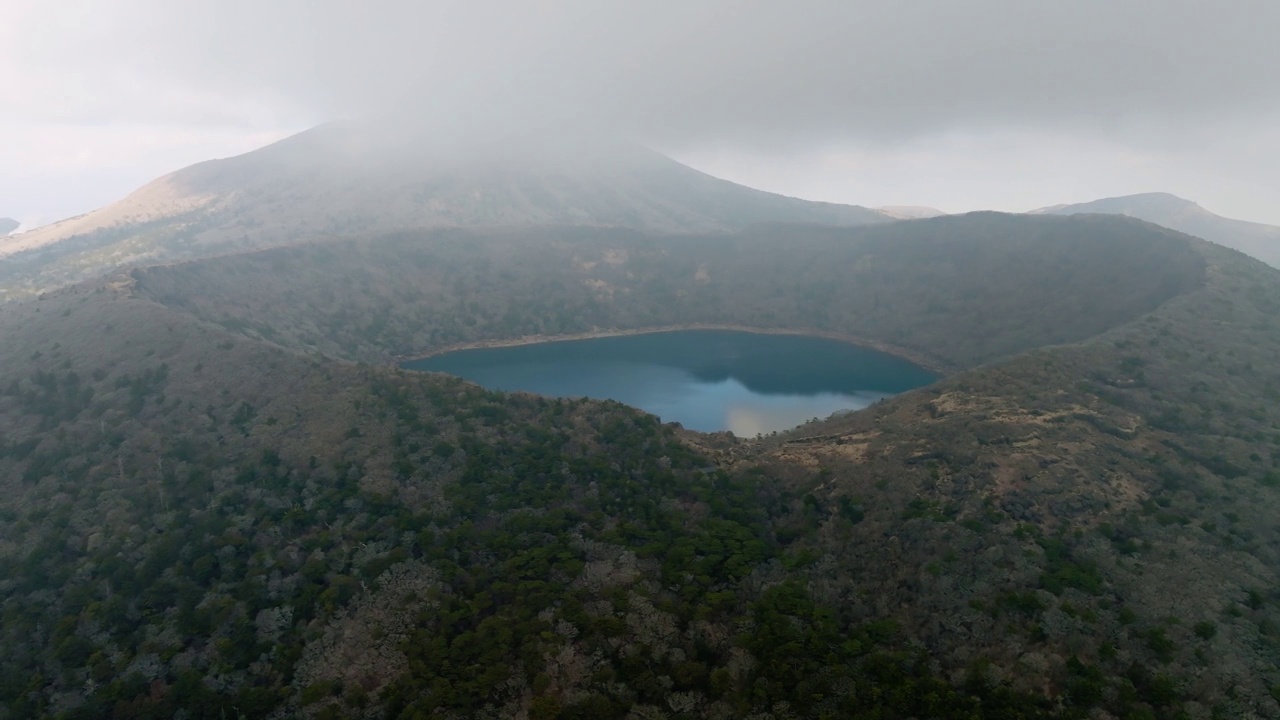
707	380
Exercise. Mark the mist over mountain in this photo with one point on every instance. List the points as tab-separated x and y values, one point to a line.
8	225
344	178
1256	239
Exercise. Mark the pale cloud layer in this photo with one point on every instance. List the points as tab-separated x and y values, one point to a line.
51	171
984	103
1018	169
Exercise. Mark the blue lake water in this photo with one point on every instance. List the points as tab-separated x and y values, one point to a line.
708	380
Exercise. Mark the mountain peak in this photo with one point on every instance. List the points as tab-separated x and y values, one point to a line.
1176	213
1156	197
910	212
1161	200
8	225
1148	202
347	178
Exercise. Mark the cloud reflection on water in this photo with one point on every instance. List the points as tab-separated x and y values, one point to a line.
710	381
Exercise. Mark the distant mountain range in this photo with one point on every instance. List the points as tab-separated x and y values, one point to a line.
8	225
1260	241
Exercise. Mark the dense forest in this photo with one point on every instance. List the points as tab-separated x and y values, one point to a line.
210	509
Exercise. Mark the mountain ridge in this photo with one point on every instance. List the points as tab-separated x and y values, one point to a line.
340	179
1255	239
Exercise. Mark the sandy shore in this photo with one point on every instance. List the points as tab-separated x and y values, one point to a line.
923	361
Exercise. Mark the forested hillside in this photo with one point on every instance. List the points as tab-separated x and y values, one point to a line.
952	291
198	523
1106	508
210	509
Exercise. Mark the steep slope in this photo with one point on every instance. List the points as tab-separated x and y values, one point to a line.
340	179
1256	239
199	517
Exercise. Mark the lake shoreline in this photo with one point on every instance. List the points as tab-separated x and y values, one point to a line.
918	359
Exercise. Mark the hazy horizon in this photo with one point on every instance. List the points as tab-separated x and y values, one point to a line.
997	105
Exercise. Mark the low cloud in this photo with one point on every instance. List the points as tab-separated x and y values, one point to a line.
753	79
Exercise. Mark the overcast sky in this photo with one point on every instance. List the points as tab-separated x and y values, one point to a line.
1003	104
